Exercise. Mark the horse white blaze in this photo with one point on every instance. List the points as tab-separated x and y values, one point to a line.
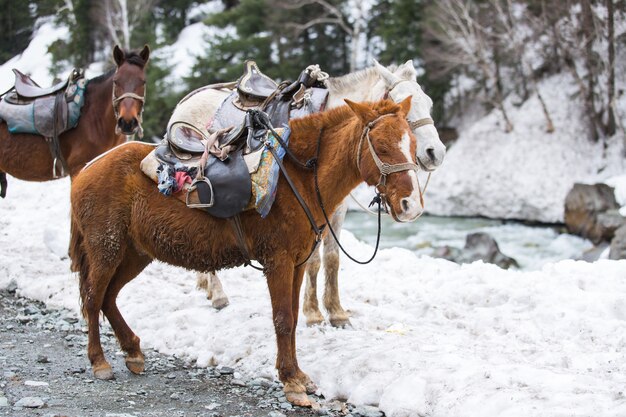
412	205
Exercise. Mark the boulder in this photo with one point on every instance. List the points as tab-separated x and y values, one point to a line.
478	246
591	212
618	244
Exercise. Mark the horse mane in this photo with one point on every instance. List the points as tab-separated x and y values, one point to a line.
337	116
103	77
345	83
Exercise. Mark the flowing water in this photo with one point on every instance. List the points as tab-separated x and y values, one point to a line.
531	246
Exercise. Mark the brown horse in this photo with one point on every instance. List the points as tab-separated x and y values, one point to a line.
112	110
120	223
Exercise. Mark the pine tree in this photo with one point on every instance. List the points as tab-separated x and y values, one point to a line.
16	21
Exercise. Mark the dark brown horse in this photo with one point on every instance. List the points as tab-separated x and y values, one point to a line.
112	110
120	223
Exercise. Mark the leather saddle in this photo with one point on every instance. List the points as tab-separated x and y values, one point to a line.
29	108
28	88
224	187
255	85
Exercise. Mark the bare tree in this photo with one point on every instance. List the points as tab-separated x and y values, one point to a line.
353	24
121	17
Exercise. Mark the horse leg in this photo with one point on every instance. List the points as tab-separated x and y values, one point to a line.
311	308
214	291
92	294
302	378
132	264
3	184
337	316
280	281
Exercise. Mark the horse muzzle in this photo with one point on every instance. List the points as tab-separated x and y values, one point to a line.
127	127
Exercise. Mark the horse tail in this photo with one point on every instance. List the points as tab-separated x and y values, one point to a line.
3	184
80	264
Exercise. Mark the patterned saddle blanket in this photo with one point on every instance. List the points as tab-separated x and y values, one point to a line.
50	114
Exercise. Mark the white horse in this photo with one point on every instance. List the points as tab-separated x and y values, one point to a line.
370	84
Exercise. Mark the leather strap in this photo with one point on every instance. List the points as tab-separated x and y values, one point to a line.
53	142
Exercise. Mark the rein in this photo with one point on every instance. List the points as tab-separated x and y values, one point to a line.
116	102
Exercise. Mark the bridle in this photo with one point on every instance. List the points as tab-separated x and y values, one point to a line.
413	124
116	104
384	168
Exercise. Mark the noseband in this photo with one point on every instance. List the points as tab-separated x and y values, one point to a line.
116	105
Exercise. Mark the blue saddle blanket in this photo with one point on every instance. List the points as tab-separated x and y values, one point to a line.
36	116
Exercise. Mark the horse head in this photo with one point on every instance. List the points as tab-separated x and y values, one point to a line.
129	89
386	156
400	84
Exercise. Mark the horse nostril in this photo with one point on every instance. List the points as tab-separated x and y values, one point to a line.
430	152
405	204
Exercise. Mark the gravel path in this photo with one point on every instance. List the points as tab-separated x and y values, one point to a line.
44	371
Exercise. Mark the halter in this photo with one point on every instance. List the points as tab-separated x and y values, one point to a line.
116	102
413	124
384	168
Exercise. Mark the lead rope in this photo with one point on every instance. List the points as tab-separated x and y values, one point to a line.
378	199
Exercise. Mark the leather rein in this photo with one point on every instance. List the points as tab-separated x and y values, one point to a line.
380	198
116	104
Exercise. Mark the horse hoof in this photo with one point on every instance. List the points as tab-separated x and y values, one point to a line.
340	323
298	398
135	365
314	318
220	303
104	372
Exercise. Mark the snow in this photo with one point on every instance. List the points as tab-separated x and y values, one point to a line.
35	59
619	183
524	174
429	337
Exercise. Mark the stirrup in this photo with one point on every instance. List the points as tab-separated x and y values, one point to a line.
193	186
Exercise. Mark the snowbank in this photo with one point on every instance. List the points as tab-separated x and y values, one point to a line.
527	173
429	337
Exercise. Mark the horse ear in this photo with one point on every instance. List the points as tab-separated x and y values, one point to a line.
405	105
389	77
118	55
145	53
406	71
363	112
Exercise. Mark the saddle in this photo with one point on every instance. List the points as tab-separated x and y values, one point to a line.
234	148
28	88
29	108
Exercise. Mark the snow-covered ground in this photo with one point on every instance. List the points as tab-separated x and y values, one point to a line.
429	337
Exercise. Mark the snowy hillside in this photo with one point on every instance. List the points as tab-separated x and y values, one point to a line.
429	337
524	174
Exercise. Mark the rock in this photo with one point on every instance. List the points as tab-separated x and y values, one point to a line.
42	359
275	414
30	402
286	406
12	287
478	246
225	370
367	411
583	204
238	383
447	252
4	402
618	244
36	383
594	253
481	246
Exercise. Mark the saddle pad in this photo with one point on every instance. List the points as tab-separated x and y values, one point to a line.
36	116
263	168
